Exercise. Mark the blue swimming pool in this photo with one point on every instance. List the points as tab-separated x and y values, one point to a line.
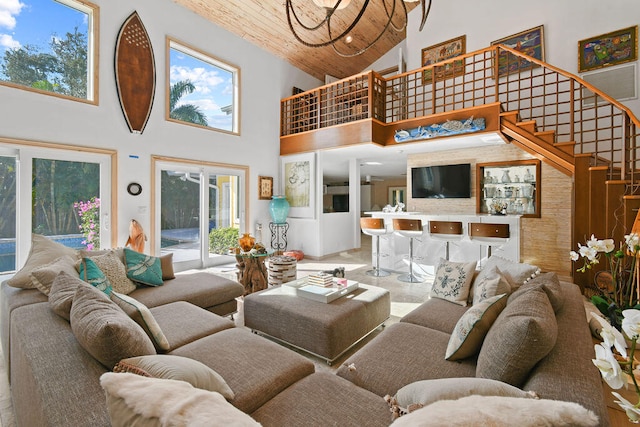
8	249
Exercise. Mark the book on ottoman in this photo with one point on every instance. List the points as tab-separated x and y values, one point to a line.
326	294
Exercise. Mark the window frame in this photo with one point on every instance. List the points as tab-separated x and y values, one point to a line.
93	43
185	48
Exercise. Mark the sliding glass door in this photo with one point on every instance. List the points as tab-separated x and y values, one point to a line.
64	195
200	212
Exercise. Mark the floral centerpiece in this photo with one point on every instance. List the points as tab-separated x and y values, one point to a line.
619	369
622	290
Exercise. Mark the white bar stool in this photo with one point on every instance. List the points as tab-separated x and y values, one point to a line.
410	228
446	230
491	234
375	227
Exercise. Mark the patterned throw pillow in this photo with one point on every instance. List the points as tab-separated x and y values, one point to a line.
489	283
468	335
143	317
90	273
453	281
112	267
143	268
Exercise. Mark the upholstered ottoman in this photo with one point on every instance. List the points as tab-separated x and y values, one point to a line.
324	330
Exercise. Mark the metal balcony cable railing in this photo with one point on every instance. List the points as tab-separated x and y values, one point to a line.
555	99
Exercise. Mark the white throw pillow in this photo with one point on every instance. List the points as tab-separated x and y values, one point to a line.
517	273
489	283
143	401
499	412
453	281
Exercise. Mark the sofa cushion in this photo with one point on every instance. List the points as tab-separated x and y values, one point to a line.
436	313
517	273
550	284
104	330
453	281
143	401
468	335
63	289
499	411
91	273
143	317
523	334
324	399
172	367
422	393
143	268
42	277
43	251
112	267
488	283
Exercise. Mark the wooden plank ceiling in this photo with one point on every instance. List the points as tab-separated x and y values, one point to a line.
264	23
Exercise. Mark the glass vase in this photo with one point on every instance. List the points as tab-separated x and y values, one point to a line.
279	209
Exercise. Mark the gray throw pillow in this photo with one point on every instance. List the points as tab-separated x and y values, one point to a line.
517	273
523	334
550	284
42	277
63	289
104	330
43	251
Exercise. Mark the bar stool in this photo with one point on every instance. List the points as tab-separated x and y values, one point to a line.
446	230
375	227
410	228
491	234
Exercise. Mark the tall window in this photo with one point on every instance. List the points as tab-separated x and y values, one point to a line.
202	90
49	46
200	212
62	194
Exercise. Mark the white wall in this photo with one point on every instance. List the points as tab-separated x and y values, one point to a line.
265	79
565	23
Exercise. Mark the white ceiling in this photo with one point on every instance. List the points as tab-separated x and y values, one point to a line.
393	158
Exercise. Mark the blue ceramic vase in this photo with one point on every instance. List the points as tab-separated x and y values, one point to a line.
279	209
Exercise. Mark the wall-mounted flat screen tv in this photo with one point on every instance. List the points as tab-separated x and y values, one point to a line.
441	182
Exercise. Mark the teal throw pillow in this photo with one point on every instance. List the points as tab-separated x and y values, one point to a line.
143	268
91	273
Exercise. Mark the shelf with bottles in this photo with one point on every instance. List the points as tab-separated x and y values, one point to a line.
511	187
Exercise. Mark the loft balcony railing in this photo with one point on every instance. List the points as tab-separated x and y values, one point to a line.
557	100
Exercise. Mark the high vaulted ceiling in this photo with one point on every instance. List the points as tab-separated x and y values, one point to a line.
264	23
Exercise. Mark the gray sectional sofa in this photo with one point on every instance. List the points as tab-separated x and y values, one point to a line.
56	382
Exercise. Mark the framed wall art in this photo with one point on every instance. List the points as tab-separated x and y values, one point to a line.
265	187
440	52
609	49
529	42
298	181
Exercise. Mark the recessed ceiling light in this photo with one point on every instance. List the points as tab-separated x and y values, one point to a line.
373	163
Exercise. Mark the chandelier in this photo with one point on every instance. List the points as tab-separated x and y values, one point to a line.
334	21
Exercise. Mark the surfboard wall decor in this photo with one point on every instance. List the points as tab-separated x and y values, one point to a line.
135	70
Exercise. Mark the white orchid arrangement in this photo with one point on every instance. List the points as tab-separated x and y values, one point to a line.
617	370
622	265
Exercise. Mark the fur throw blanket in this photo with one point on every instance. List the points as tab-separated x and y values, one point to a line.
492	411
137	400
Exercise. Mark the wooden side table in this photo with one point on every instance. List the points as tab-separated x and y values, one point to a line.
252	272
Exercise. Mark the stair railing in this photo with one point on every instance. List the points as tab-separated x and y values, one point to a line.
558	101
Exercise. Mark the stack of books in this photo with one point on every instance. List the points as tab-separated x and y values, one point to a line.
320	279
